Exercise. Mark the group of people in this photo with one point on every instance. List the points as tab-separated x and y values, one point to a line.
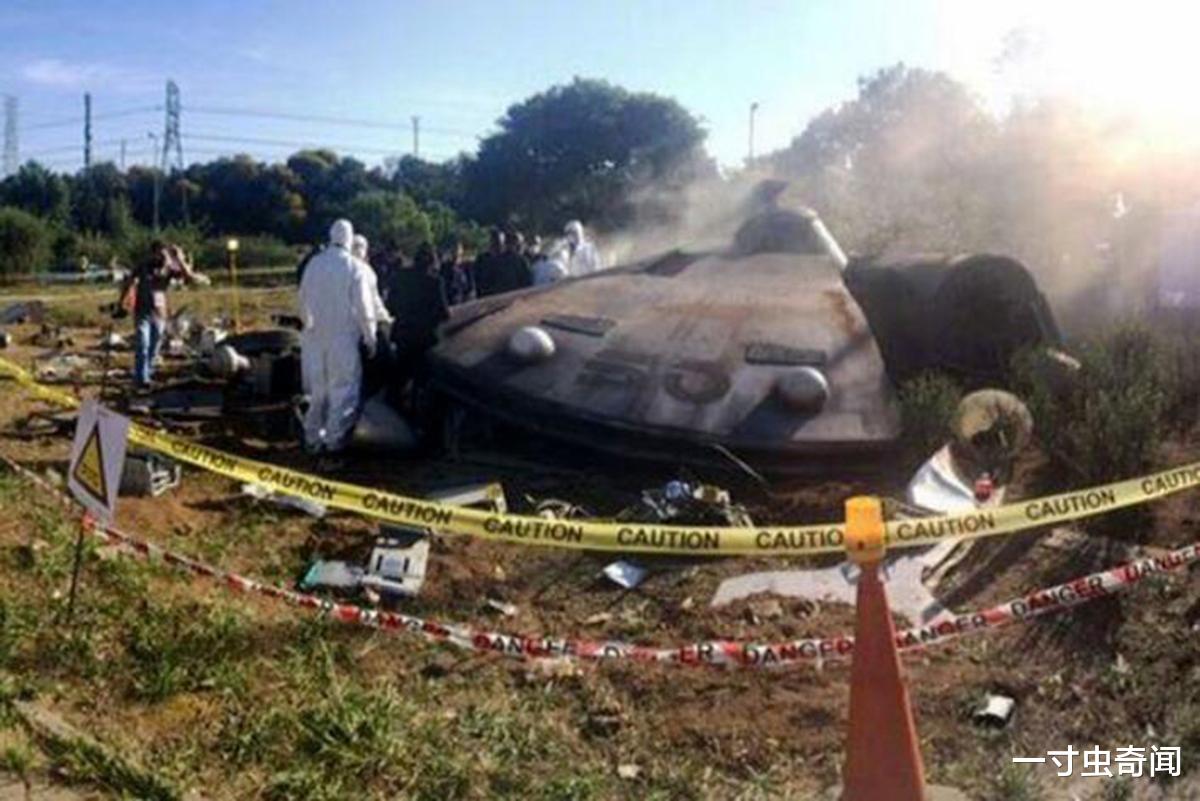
511	263
366	328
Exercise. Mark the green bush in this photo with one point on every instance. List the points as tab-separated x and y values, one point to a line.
24	242
927	406
1108	421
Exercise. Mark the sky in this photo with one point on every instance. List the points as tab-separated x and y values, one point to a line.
458	64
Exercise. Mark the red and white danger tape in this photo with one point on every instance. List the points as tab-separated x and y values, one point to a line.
714	653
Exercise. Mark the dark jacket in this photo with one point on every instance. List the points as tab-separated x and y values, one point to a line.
458	282
418	304
501	272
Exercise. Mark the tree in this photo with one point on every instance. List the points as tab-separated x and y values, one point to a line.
100	202
900	167
429	182
242	196
582	150
38	191
391	221
24	242
328	184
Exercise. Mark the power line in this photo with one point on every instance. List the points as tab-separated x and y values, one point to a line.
75	121
348	121
252	140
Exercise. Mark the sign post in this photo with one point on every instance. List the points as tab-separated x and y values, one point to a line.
94	473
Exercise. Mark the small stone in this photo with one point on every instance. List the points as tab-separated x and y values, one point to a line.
687	603
629	771
498	573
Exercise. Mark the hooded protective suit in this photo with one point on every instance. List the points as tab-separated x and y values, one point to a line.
584	258
338	312
359	250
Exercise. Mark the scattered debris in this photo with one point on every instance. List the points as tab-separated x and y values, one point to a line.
148	475
629	772
225	362
625	574
689	504
597	619
397	563
113	341
51	336
504	608
996	711
31	311
332	575
63	367
555	509
488	496
262	493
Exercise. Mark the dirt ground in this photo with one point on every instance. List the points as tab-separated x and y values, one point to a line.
1114	673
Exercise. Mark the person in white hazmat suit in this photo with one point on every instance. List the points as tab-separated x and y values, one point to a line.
359	250
338	312
583	258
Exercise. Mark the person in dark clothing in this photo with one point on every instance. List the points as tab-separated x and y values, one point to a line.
312	251
504	267
418	304
458	284
487	266
515	270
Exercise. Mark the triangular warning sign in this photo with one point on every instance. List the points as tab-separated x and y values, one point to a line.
89	468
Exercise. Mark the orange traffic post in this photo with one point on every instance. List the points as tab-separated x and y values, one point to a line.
883	759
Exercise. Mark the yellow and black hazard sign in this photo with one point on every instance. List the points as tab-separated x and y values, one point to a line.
97	458
88	471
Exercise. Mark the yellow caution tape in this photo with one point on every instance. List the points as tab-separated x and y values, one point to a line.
639	537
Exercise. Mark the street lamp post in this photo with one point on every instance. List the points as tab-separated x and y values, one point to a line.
753	109
157	181
231	251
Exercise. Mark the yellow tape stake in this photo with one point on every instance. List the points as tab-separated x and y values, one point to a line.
866	537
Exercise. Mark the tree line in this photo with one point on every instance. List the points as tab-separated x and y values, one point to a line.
574	151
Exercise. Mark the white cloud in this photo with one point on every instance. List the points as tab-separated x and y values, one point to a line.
55	73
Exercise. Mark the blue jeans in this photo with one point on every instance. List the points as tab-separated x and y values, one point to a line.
148	333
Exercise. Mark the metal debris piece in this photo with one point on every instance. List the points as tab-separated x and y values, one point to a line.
148	475
262	493
625	574
996	711
488	496
689	504
397	562
506	609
